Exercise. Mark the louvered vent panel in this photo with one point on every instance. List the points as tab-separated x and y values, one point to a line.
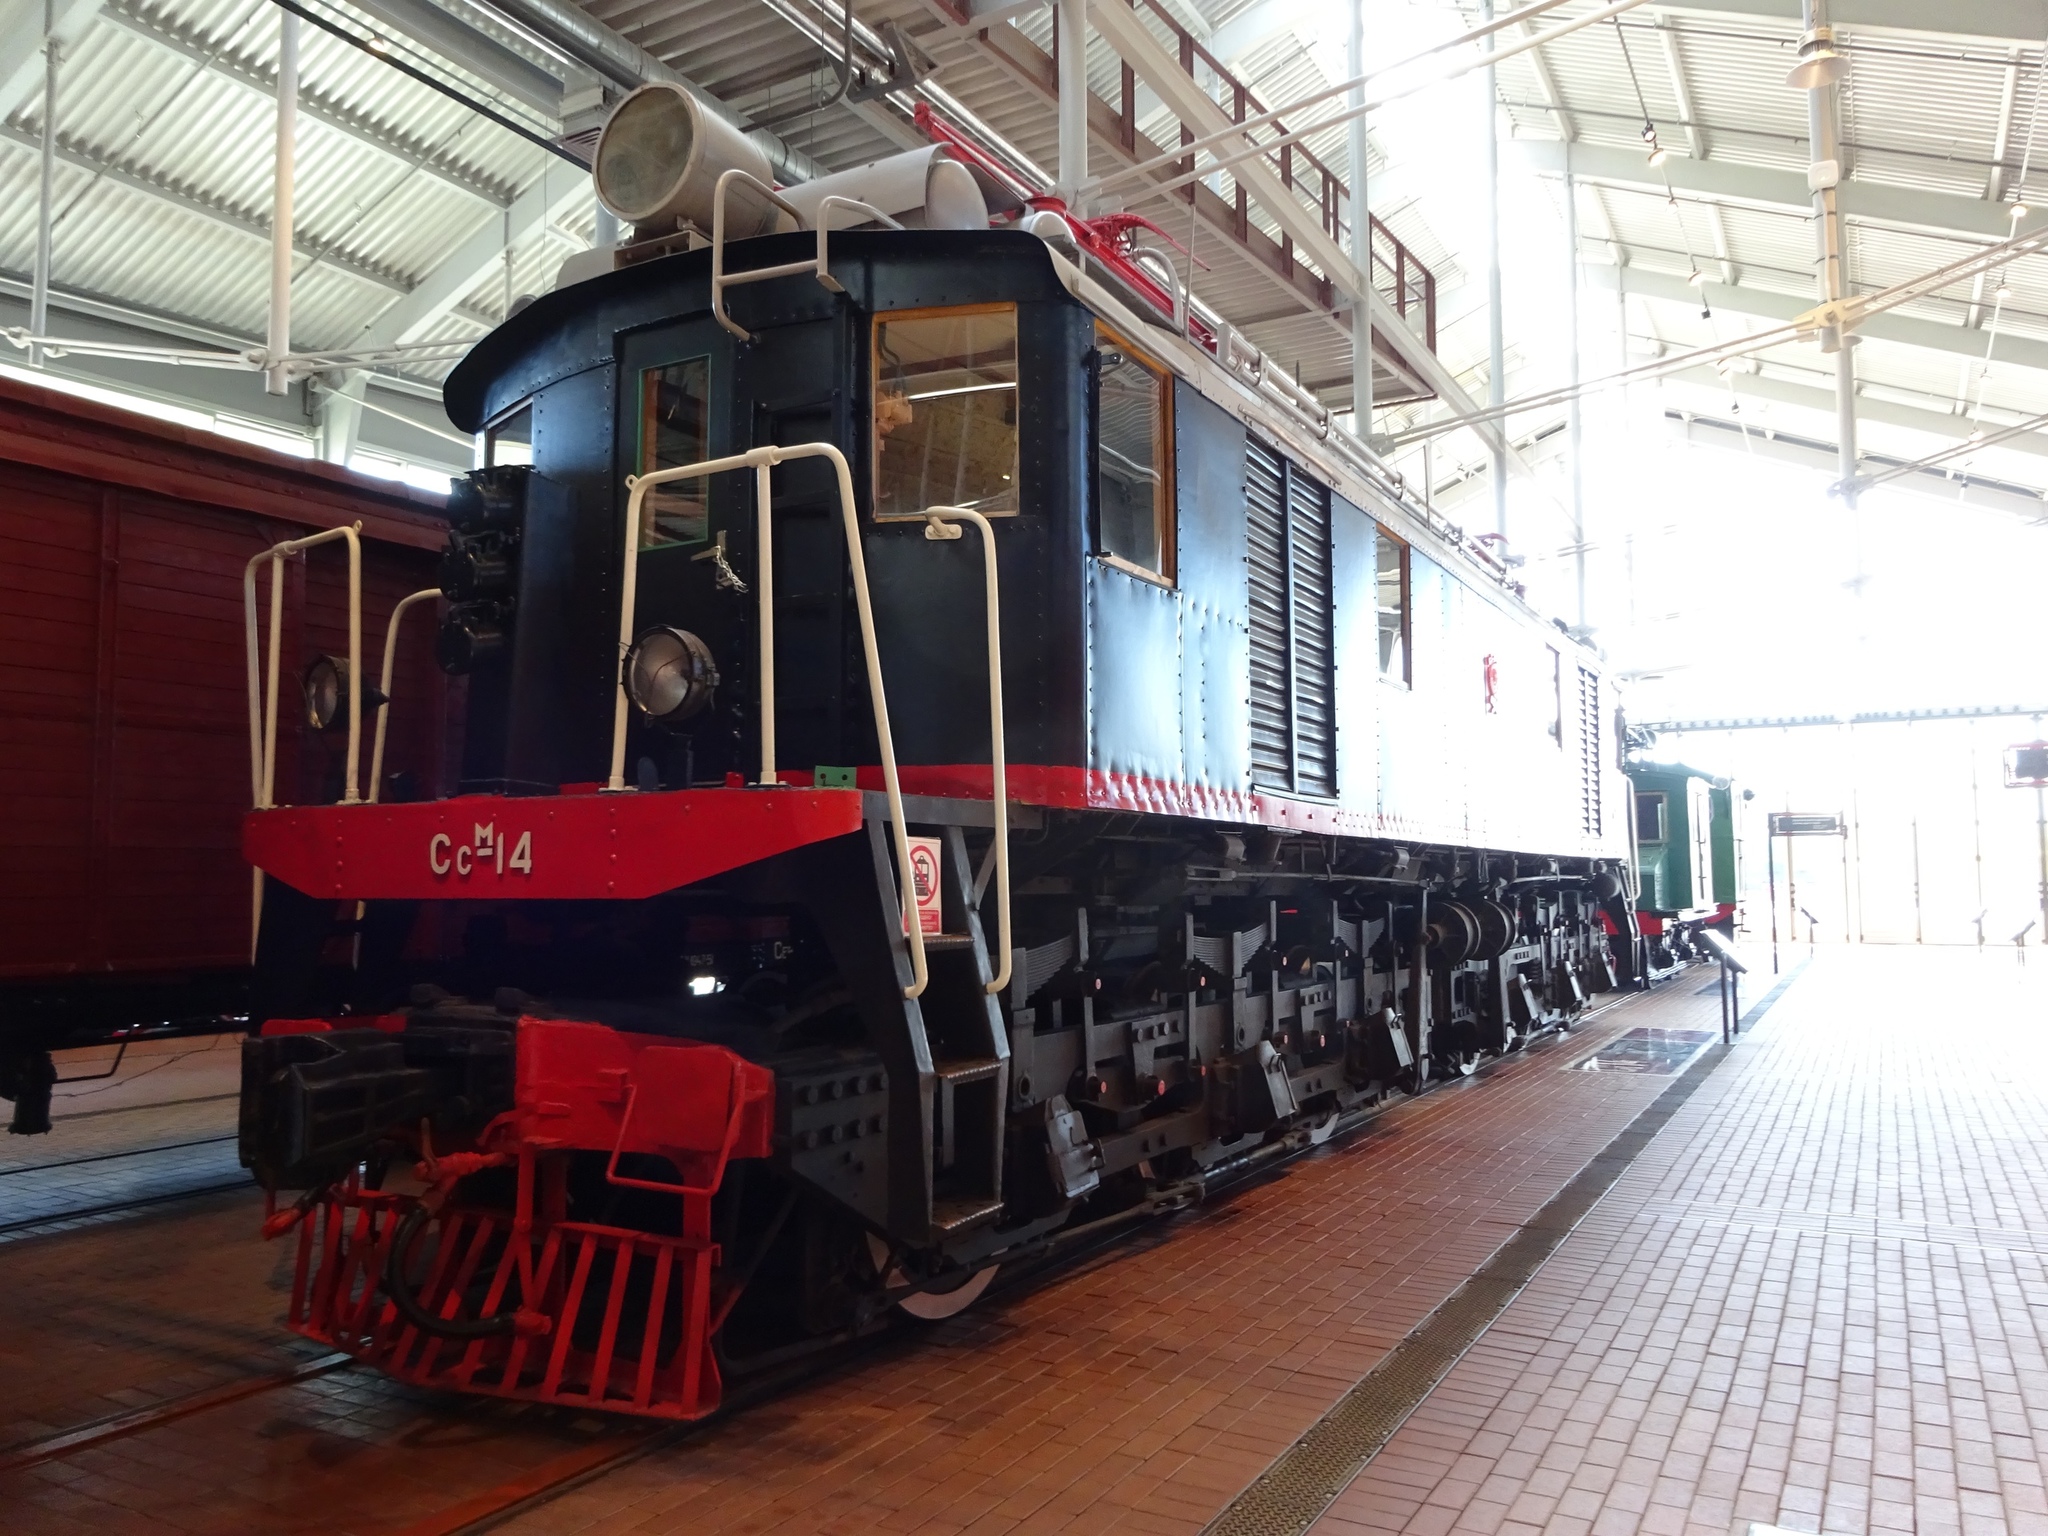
1265	508
1315	657
1589	751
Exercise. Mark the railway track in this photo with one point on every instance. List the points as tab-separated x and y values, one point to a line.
99	1187
121	1425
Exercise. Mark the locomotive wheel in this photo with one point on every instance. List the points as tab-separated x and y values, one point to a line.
1496	929
934	1305
1457	931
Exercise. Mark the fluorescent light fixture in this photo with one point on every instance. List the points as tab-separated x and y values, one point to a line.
964	389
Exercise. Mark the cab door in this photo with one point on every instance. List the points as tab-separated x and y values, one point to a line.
677	406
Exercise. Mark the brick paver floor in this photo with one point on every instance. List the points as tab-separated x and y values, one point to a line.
1140	1394
1135	1393
162	1125
1816	1300
1819	1300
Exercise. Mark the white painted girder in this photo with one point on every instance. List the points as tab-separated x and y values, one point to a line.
1902	330
2014	20
1944	213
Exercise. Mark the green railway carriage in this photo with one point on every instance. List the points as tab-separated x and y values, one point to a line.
1688	858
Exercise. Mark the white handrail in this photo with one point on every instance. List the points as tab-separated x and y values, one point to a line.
941	523
818	266
263	691
761	460
764	578
384	685
262	719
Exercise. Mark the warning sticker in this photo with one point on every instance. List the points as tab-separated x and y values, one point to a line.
924	885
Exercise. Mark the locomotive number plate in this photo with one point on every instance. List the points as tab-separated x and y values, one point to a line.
485	852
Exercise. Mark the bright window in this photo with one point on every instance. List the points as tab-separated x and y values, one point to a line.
1133	483
510	441
674	403
945	395
1393	607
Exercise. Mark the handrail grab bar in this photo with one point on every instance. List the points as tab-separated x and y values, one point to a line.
943	523
384	686
263	688
761	460
262	696
818	266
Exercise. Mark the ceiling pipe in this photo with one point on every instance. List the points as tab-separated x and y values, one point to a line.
463	42
625	63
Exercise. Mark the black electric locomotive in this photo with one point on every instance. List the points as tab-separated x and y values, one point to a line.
764	973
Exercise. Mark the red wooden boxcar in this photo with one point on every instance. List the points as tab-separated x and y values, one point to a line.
124	756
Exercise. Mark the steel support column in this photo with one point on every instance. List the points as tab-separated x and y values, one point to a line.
279	341
1071	17
1576	410
1496	346
1823	119
1361	226
46	185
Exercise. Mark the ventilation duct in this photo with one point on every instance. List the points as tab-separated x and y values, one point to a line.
920	189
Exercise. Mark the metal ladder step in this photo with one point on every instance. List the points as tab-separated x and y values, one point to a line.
956	1073
951	1216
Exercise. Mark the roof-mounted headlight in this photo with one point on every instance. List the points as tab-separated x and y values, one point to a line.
669	675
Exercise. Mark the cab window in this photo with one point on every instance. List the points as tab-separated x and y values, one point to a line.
510	439
674	409
1133	458
945	402
1393	608
1650	817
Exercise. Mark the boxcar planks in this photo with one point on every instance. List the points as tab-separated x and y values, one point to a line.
124	760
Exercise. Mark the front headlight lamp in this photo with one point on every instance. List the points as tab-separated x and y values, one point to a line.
670	675
325	684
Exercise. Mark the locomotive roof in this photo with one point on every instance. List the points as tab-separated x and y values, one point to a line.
574	328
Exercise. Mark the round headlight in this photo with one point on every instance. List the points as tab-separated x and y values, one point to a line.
669	675
325	683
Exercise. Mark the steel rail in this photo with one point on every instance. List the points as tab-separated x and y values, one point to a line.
89	1436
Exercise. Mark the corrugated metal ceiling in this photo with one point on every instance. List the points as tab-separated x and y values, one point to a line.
164	186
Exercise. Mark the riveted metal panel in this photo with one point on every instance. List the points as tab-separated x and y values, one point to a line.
1134	676
1354	651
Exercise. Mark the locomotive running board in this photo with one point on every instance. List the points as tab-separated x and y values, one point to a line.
567	847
